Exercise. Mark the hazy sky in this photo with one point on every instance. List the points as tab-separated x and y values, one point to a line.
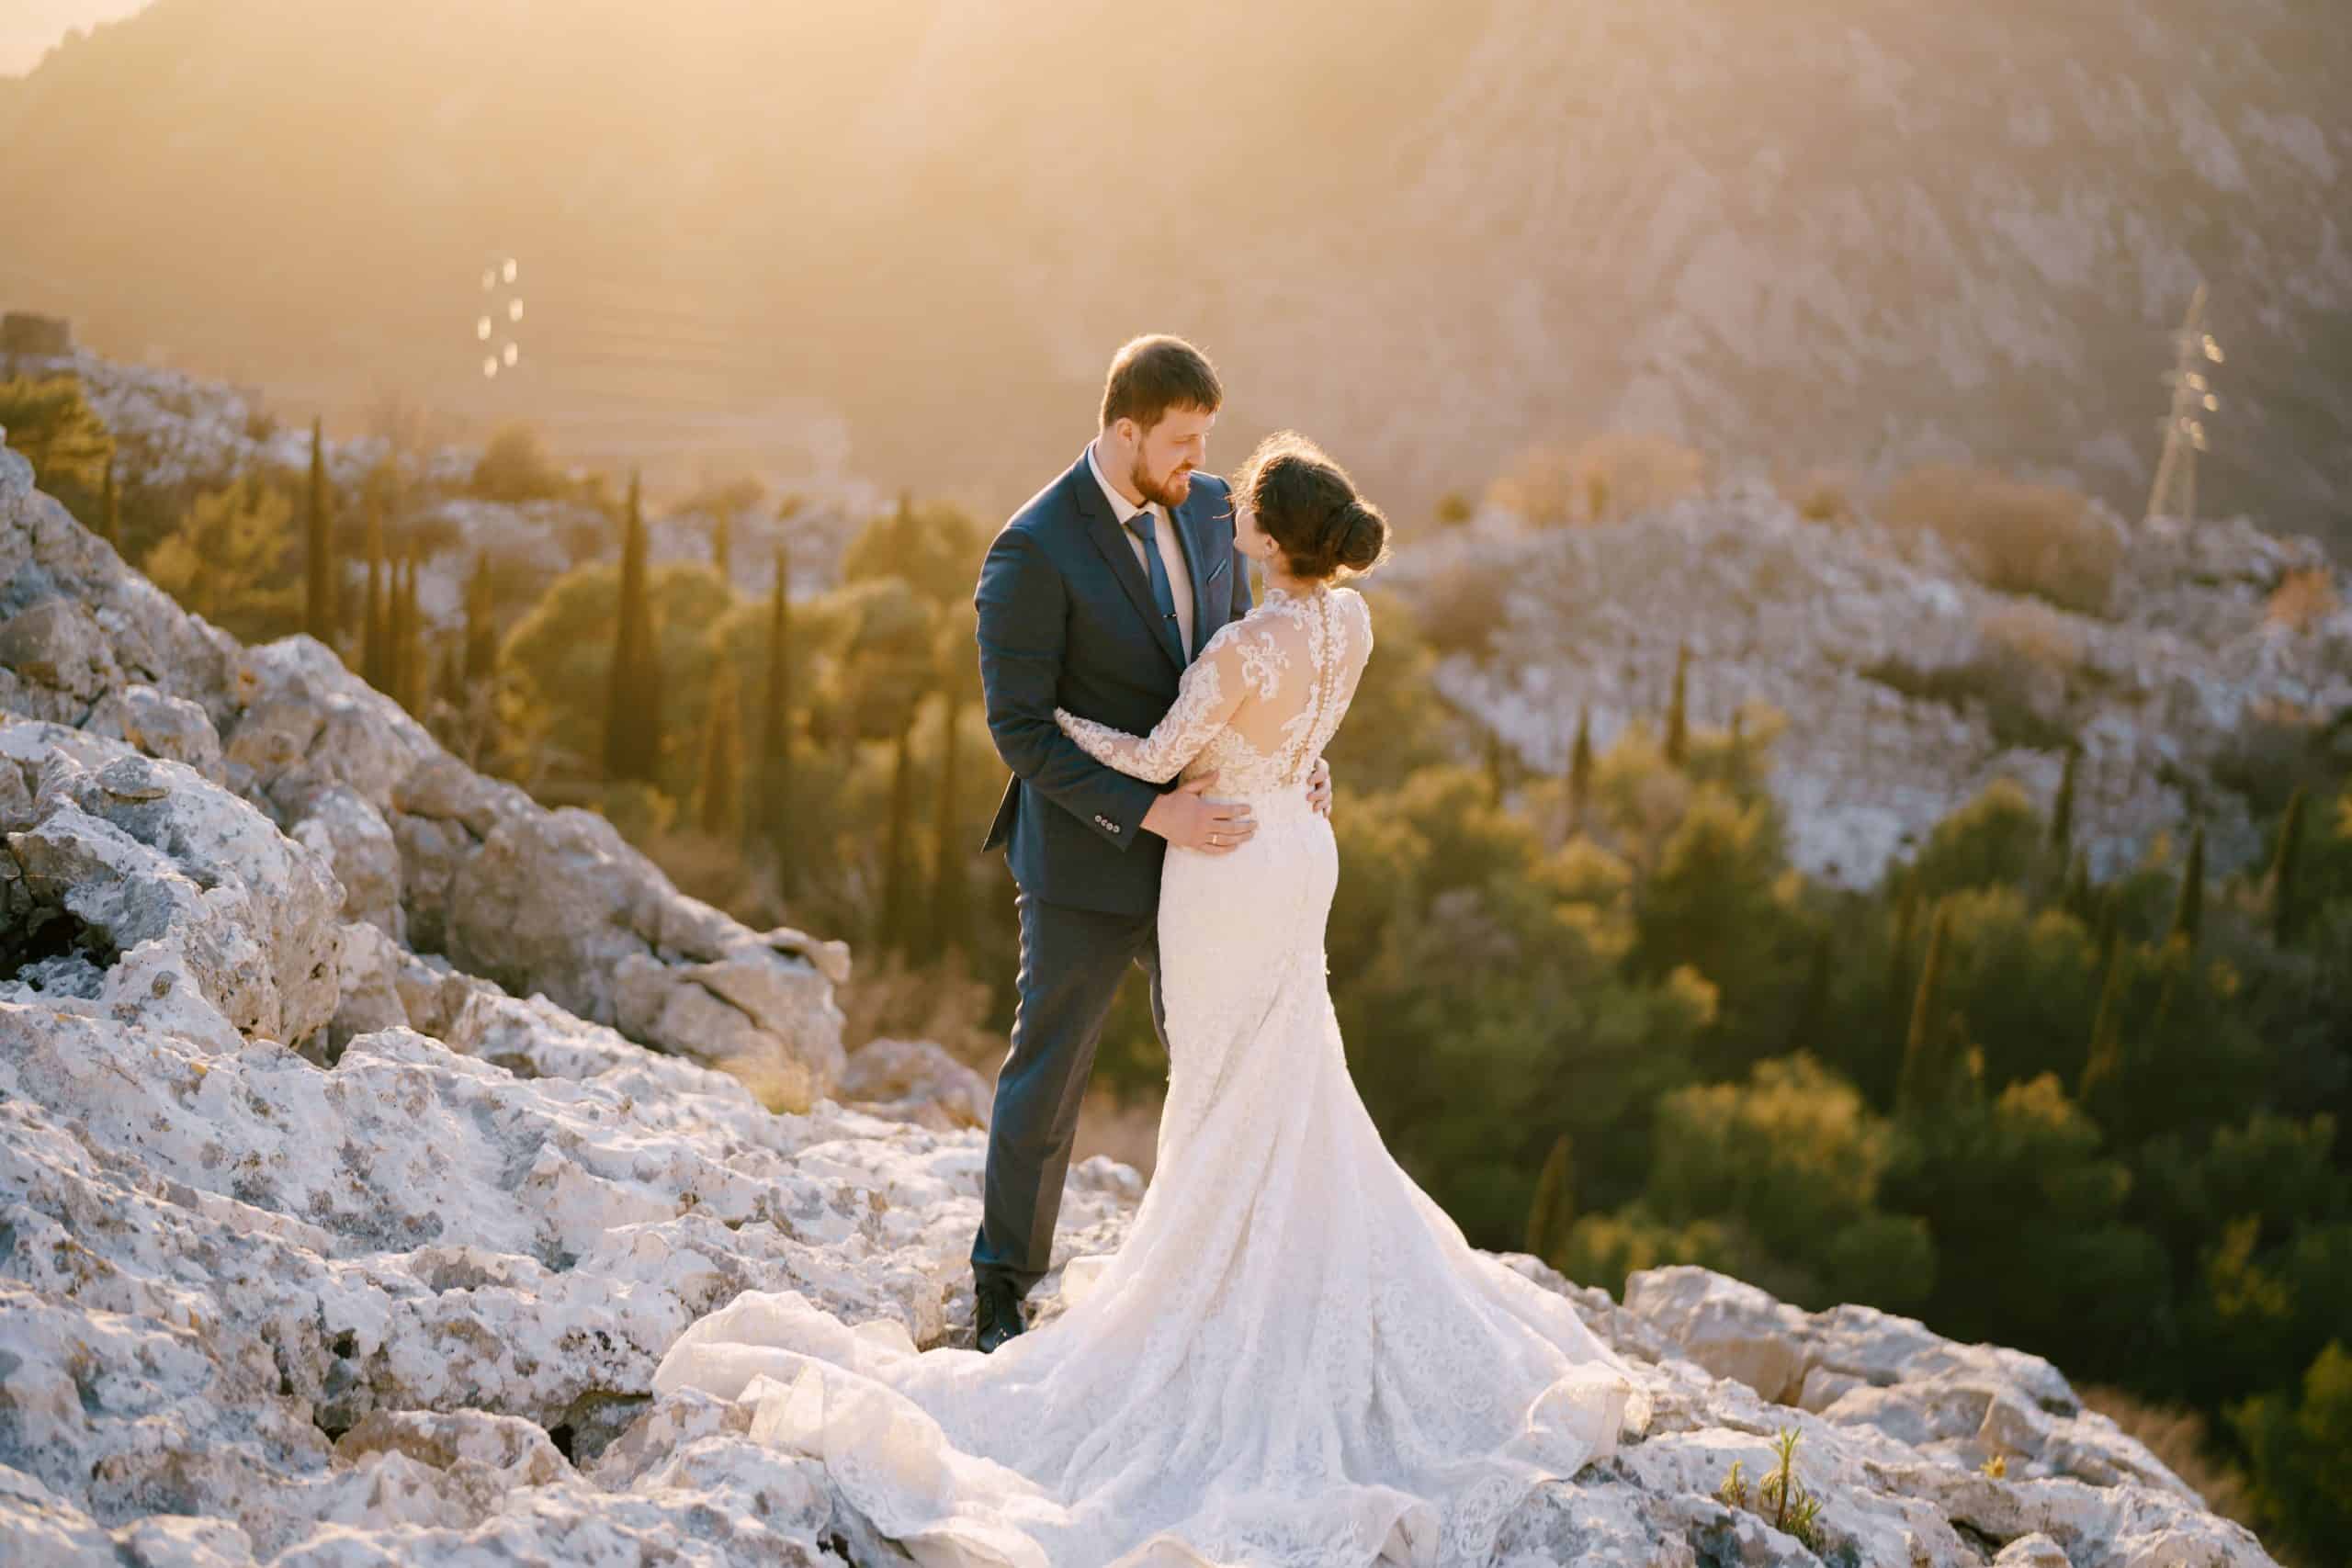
28	28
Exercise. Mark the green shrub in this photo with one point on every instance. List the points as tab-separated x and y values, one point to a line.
514	467
51	422
2008	686
1994	840
2297	1444
231	560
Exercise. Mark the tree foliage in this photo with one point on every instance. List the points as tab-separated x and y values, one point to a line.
50	420
231	560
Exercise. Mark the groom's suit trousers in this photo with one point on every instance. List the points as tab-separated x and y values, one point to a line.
1071	963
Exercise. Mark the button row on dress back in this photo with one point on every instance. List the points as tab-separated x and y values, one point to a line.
1319	654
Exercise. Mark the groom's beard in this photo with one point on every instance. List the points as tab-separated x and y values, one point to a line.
1170	493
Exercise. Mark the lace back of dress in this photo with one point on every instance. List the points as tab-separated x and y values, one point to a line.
1296	658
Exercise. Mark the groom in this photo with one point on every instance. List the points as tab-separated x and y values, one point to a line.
1094	597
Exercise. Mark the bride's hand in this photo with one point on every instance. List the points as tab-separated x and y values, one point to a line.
1318	787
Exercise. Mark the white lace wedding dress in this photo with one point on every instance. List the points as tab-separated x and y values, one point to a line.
1294	1358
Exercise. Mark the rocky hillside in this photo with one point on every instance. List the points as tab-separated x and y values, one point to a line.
1855	232
364	1149
1908	685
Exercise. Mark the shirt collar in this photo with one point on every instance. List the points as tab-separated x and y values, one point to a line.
1121	507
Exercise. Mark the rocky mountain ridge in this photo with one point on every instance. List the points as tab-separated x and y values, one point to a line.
1852	233
1907	686
359	1157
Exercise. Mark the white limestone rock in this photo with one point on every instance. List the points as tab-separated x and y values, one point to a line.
161	726
559	902
93	617
434	855
915	1080
368	968
319	1249
56	643
195	903
349	834
1864	1370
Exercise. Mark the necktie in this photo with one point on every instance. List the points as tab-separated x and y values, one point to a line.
1141	525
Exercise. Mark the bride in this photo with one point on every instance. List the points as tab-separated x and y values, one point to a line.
1294	1358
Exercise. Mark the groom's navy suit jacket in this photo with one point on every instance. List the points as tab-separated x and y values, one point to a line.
1066	619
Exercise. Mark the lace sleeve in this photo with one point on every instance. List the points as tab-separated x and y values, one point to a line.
1211	690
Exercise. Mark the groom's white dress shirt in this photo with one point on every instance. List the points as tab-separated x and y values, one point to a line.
1163	533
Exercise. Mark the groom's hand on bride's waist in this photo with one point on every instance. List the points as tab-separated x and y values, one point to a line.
1183	819
1318	787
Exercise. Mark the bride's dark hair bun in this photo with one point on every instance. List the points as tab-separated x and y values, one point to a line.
1308	505
1358	536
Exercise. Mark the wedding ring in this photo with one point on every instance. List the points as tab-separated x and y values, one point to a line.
1215	841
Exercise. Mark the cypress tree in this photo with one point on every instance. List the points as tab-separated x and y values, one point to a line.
775	710
899	868
719	786
2189	914
950	889
376	632
408	635
419	673
722	551
420	654
2284	923
2110	924
1678	709
2062	811
1811	1018
1898	965
1581	770
110	507
1554	1206
650	693
1924	1048
2173	961
396	629
449	673
319	563
481	622
2079	897
2103	1063
625	730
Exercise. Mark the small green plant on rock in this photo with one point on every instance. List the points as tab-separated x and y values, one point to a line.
1734	1490
1780	1499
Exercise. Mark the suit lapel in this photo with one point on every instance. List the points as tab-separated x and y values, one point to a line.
1117	547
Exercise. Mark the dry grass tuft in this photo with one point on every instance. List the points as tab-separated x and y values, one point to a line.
2035	632
2302	599
942	1002
1611	476
1821	495
2179	1438
2041	539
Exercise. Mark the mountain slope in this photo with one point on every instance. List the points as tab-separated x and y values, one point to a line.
1835	232
318	1245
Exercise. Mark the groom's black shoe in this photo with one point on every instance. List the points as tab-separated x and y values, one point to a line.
996	1313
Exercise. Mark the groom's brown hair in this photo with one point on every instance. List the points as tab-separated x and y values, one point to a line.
1152	373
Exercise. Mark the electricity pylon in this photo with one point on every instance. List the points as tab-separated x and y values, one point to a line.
500	314
2175	493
